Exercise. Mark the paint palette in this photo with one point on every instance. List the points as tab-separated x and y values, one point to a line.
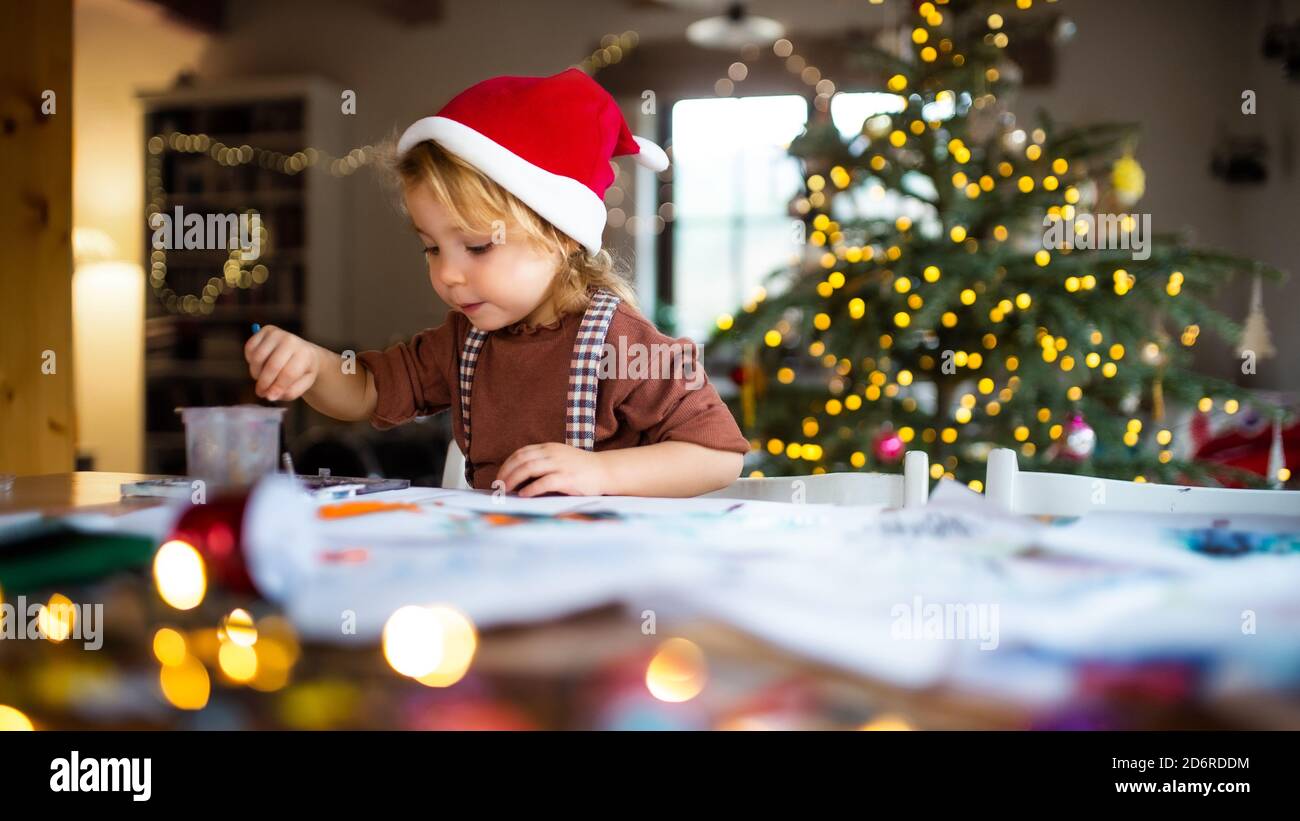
329	487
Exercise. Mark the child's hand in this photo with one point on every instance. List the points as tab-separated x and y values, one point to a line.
554	468
285	366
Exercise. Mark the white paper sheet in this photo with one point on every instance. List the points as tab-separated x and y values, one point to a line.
840	585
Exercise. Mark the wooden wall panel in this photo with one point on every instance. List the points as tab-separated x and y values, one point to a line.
36	413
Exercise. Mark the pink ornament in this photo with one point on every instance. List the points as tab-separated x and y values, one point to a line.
888	445
1078	439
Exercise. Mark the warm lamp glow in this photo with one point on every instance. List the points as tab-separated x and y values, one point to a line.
108	353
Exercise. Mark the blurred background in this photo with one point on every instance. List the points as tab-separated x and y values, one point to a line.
276	105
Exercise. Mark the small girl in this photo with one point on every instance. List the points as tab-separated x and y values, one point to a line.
572	390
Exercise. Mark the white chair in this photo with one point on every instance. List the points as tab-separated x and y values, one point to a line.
911	489
1061	494
453	472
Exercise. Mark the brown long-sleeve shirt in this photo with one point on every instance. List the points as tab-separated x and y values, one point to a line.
521	385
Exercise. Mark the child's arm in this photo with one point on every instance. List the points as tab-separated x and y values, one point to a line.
287	367
669	469
350	396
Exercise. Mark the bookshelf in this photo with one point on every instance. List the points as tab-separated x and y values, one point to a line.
227	149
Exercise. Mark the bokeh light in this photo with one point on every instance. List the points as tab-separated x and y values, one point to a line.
273	662
11	718
413	641
237	626
179	574
57	618
169	647
886	722
238	662
677	672
459	643
186	685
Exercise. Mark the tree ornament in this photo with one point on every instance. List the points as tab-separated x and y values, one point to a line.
215	530
1154	350
1087	194
1256	336
877	127
1276	455
1078	439
888	446
1158	396
750	378
1128	180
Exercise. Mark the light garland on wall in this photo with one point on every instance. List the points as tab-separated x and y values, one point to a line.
613	48
234	274
795	63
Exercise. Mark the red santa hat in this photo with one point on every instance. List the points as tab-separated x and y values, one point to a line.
547	140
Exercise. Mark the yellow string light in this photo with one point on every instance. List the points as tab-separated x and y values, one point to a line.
613	48
234	275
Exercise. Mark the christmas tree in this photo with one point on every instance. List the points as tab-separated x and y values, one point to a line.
1013	298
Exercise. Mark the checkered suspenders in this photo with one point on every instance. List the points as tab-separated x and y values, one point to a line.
580	410
580	406
468	361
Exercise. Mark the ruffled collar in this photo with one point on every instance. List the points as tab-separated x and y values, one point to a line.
522	327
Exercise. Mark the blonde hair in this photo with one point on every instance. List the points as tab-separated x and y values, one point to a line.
474	202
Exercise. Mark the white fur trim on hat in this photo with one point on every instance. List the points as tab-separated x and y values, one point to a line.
562	201
651	156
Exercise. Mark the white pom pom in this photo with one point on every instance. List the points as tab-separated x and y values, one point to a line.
651	155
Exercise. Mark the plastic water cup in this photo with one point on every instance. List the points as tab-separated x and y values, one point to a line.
232	446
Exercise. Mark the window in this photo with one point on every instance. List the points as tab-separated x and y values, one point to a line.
732	186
